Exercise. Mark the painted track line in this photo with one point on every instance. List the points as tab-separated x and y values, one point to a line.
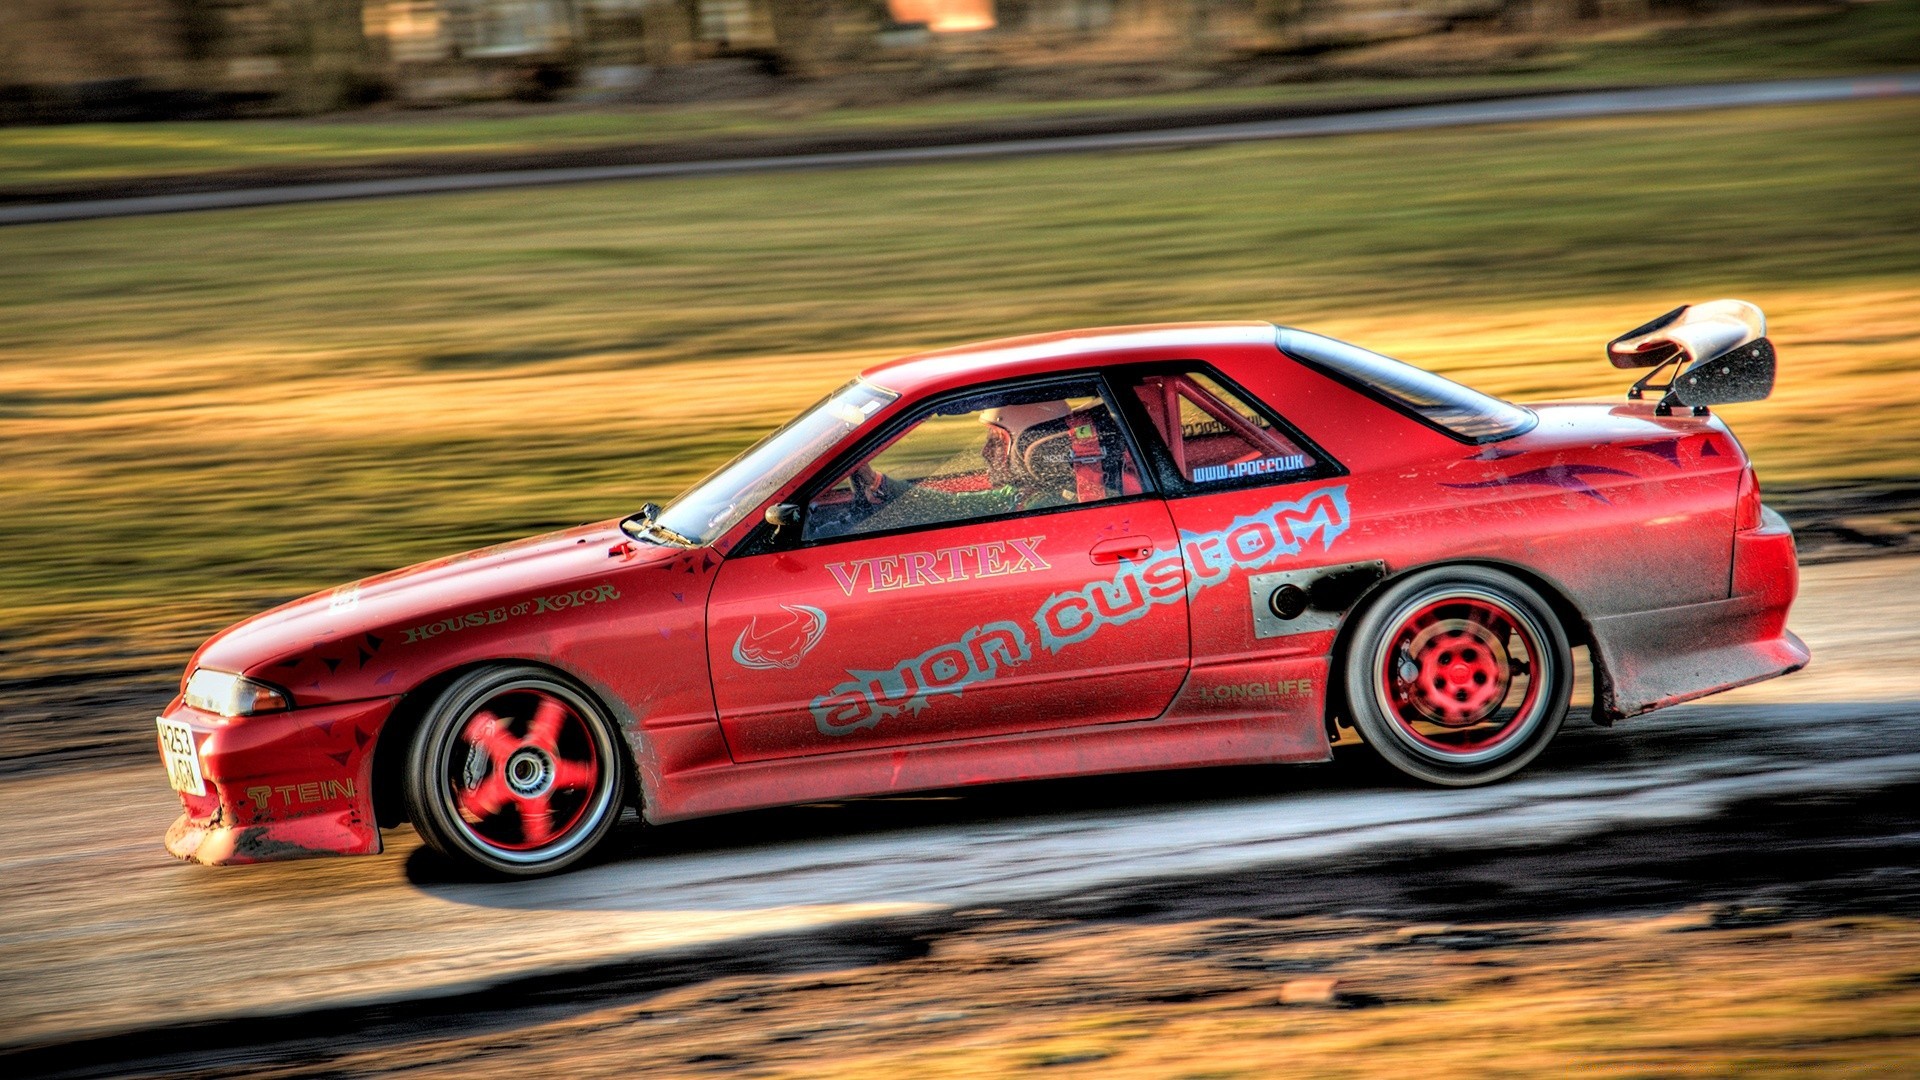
1508	111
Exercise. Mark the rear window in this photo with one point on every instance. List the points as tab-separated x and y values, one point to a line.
1213	436
1465	413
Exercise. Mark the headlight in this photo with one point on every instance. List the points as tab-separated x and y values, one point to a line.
228	694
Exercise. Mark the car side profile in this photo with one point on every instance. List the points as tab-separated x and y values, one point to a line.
1065	554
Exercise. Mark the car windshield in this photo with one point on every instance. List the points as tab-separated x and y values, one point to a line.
716	504
1467	413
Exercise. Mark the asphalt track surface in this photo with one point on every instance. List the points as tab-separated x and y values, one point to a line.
1513	110
112	955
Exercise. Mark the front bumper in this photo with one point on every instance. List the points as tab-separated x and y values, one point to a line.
287	785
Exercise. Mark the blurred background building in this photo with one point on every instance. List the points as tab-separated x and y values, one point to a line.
123	59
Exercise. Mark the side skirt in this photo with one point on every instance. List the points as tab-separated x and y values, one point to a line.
1109	748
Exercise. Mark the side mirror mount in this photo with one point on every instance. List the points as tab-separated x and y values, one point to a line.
783	515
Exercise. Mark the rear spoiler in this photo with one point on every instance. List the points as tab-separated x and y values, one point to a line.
1718	351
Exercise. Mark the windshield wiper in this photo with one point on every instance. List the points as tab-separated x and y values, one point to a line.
642	526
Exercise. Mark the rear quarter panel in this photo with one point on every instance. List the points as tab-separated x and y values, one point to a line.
1619	509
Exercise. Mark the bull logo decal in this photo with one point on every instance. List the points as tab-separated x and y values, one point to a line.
781	647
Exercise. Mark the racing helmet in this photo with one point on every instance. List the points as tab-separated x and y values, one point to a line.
1016	419
1007	424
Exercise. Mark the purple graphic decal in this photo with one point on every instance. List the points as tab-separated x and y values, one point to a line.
1566	477
1667	450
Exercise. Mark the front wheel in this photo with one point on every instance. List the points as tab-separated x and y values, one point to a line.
1459	675
515	770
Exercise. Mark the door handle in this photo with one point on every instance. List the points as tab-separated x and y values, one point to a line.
1120	548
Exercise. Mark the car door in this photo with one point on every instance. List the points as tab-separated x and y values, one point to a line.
994	563
1261	513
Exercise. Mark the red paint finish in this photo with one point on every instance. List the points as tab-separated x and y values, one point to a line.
1102	636
1164	743
281	786
936	636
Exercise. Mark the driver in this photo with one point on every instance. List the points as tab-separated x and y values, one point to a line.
1004	452
1012	485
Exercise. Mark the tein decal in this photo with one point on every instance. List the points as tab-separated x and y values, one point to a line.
916	568
1066	618
784	645
310	792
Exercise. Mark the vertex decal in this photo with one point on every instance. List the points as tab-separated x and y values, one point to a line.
914	569
784	644
1068	618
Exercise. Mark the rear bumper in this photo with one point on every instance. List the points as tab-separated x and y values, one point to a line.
286	785
1652	659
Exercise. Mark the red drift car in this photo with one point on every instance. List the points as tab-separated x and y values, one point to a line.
1089	552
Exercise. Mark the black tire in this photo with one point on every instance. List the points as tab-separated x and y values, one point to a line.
515	770
1425	683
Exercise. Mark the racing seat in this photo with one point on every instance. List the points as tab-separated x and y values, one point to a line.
1054	455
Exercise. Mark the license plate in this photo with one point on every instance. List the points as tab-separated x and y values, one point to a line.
183	763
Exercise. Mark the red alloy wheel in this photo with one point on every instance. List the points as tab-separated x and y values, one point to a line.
525	770
1462	674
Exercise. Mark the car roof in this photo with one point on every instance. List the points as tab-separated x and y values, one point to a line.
1034	354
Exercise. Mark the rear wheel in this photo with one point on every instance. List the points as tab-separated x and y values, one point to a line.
1459	675
515	770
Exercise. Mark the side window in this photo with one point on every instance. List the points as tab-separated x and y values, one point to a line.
1215	437
1000	452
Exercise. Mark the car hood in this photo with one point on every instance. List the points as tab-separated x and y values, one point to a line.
388	605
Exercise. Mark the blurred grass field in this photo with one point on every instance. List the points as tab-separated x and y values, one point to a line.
1768	44
204	414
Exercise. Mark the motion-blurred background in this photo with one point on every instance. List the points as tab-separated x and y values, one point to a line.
205	414
167	59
